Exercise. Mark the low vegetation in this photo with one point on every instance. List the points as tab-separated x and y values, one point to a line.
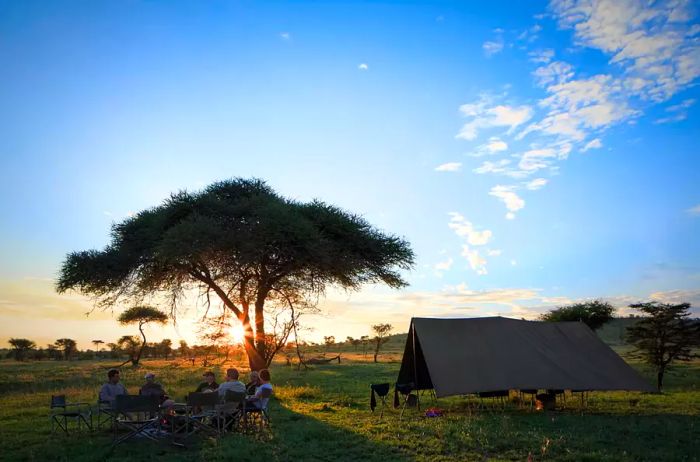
323	414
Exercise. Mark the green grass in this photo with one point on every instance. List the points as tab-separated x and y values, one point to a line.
323	414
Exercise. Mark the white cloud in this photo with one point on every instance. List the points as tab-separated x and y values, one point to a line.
494	252
513	262
494	146
441	267
449	167
536	159
285	35
492	48
541	56
537	183
511	200
363	67
476	261
593	144
484	114
554	72
492	167
465	229
648	40
677	112
695	211
510	216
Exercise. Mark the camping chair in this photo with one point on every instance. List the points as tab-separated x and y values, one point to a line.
381	390
199	417
140	415
409	399
105	414
230	414
252	411
60	414
495	396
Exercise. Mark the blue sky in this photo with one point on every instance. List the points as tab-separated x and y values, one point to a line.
533	153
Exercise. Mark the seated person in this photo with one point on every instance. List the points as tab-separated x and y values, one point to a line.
257	400
253	384
232	383
153	388
111	389
209	383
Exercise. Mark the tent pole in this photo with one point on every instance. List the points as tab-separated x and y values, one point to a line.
415	364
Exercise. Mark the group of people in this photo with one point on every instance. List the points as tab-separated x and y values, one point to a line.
254	389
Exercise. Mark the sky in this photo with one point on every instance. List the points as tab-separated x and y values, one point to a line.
533	153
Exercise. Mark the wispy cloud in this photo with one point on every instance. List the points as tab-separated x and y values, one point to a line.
491	48
537	183
285	35
512	201
593	144
363	67
495	145
466	229
449	167
695	211
677	112
485	114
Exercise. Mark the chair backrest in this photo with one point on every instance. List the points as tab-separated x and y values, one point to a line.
234	396
136	403
203	399
381	389
58	401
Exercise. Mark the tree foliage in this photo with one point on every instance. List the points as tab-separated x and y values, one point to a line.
142	315
593	313
21	347
663	335
242	242
381	332
68	346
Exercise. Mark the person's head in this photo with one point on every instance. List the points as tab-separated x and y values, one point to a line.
254	376
264	375
150	377
113	376
232	374
209	377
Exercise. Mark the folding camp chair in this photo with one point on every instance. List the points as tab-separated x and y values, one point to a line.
105	413
140	415
409	399
63	412
255	410
381	390
230	414
199	417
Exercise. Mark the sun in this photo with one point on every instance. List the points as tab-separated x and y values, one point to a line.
236	333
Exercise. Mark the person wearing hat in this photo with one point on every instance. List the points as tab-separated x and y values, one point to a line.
153	388
209	383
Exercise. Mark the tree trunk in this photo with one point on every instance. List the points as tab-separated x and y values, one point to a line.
260	325
135	362
256	361
660	379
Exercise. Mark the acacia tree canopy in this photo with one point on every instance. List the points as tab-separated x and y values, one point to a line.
593	313
142	315
241	241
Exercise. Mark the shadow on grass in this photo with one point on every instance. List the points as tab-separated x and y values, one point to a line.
292	436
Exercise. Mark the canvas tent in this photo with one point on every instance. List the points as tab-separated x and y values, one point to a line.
462	356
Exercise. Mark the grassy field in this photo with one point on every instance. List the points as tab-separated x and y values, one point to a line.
323	414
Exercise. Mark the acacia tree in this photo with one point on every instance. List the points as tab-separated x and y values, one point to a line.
381	331
141	315
97	344
665	334
243	243
129	345
21	348
68	346
594	313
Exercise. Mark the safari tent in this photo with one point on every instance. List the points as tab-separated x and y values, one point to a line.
475	355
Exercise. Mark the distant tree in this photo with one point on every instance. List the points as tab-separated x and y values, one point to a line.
184	349
52	352
365	341
113	350
166	347
21	347
243	242
130	345
97	344
381	331
68	346
354	342
329	342
664	334
593	313
142	315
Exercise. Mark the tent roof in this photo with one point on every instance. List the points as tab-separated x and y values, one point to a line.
469	355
